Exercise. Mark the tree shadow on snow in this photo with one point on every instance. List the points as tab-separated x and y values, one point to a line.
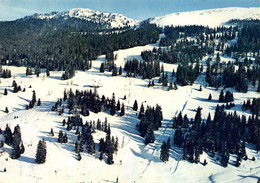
205	100
27	159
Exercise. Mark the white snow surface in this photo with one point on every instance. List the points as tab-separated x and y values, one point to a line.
211	17
115	20
134	161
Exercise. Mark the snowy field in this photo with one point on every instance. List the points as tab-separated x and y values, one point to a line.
134	161
211	17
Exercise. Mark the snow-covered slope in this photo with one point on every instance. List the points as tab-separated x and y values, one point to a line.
135	161
114	20
211	18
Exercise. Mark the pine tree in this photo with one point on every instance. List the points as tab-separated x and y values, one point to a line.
37	71
28	71
118	105
33	98
41	152
39	102
221	97
52	133
178	138
6	110
114	72
164	156
205	162
120	71
102	68
141	113
113	107
135	107
47	72
258	88
79	156
210	97
5	92
17	143
149	136
122	112
200	88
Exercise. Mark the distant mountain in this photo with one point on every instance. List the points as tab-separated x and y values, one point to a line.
111	20
211	18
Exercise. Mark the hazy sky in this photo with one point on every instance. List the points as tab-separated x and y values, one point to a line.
136	9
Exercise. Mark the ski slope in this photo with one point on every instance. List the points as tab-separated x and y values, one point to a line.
134	161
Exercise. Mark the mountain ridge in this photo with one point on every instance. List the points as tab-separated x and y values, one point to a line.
113	20
210	17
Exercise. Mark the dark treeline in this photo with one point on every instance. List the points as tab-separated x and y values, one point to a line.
54	44
225	134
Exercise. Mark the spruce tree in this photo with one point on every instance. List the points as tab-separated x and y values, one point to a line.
118	105
5	92
79	156
135	107
141	113
47	72
37	71
120	71
122	112
149	136
18	147
221	97
41	152
52	133
258	88
164	156
210	97
39	102
114	72
102	68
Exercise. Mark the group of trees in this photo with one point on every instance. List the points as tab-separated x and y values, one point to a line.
15	140
33	101
151	120
187	73
85	141
225	74
187	45
5	73
228	97
225	134
253	106
165	150
83	101
60	44
147	69
108	147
